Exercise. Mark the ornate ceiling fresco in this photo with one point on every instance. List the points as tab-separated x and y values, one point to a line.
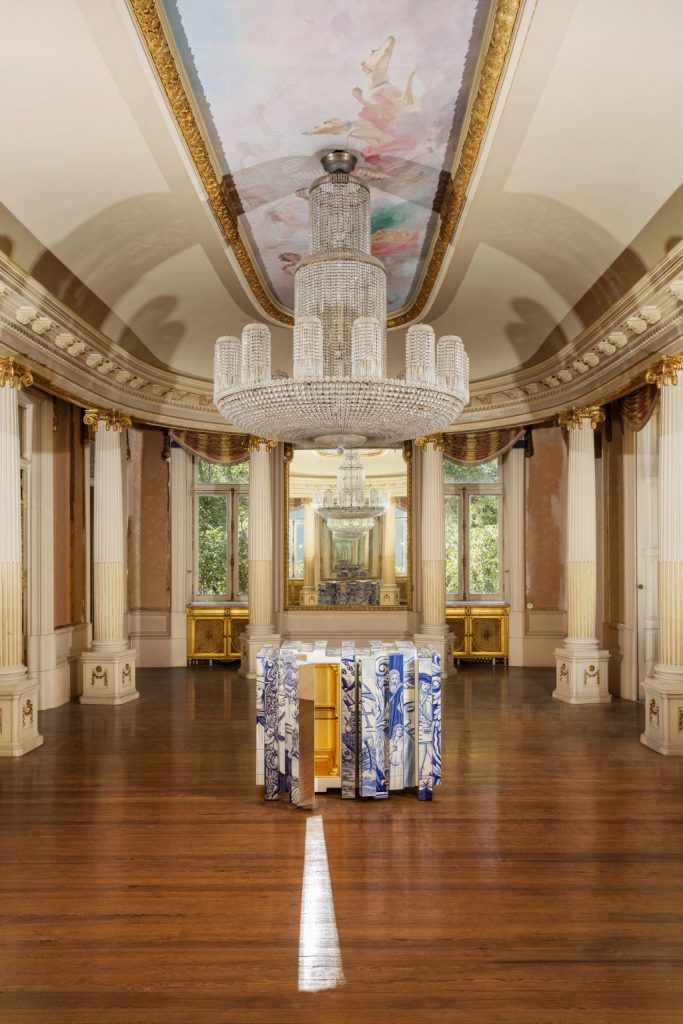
273	86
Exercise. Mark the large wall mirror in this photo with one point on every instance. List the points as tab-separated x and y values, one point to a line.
348	536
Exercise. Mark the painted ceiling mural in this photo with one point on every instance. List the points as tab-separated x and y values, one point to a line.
278	84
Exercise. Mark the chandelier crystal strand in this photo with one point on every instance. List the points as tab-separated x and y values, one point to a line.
339	394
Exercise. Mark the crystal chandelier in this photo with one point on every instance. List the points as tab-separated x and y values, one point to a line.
350	511
339	394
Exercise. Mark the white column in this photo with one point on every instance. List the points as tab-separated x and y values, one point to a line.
388	594
309	591
514	520
664	689
180	494
109	665
18	691
582	667
261	630
433	628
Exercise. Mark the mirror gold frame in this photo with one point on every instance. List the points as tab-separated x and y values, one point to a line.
289	605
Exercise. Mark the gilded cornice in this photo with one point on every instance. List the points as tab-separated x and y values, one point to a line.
255	442
436	440
666	371
573	419
113	419
154	35
13	375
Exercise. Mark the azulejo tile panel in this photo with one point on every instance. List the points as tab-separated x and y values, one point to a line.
390	736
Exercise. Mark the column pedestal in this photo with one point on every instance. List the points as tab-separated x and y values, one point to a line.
388	595
252	640
18	713
108	676
664	711
582	675
309	597
442	640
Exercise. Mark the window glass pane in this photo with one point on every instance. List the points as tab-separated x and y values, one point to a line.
454	473
213	473
452	520
401	542
243	543
483	546
212	543
296	544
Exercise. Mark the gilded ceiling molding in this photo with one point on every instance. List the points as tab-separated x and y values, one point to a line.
456	190
14	375
666	371
113	419
154	35
573	418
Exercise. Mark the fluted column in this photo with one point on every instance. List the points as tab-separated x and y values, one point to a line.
109	665
309	591
261	630
433	627
388	589
18	691
581	665
664	690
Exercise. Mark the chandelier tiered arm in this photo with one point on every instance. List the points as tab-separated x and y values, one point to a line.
339	394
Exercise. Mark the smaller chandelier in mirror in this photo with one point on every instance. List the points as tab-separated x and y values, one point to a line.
351	510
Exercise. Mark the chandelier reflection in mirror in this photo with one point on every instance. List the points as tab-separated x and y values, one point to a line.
350	511
339	394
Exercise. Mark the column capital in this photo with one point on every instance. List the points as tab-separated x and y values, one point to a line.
114	419
255	442
573	418
13	374
666	371
437	440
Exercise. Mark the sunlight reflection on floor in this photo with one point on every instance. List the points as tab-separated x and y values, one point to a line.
320	963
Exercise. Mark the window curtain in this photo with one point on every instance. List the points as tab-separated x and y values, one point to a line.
636	409
214	447
474	449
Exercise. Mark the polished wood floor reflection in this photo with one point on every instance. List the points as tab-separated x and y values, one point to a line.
143	879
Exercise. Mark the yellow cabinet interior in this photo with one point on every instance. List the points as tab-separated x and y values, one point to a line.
479	631
327	691
214	632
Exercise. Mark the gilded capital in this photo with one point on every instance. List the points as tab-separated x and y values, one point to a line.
437	440
113	419
13	374
255	442
666	371
573	418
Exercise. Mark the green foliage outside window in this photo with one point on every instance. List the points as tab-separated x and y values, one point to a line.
220	473
213	544
243	543
452	514
455	473
484	569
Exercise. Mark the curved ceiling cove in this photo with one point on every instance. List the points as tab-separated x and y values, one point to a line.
273	86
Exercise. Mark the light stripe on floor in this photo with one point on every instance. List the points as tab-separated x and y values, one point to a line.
320	962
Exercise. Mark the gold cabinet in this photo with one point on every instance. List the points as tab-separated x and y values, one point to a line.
479	631
214	632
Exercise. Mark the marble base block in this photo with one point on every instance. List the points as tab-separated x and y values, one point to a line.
664	711
18	714
582	675
108	676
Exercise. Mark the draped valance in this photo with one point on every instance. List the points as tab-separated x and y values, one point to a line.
636	409
474	448
214	447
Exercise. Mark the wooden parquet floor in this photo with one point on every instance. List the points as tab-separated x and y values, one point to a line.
143	879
